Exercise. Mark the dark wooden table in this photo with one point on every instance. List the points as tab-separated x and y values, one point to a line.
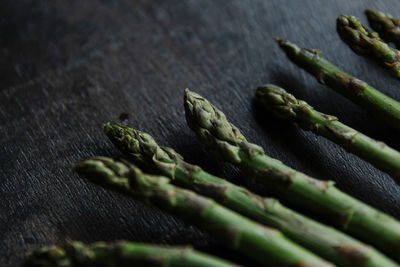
67	67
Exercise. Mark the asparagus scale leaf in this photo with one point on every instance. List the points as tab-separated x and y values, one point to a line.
263	244
363	94
325	241
365	42
286	106
385	24
320	197
122	253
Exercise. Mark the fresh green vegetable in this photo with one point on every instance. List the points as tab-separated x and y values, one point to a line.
263	244
120	254
387	26
286	106
325	241
375	102
226	142
364	42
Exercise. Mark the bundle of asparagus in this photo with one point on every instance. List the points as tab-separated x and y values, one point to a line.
278	236
226	142
260	243
325	241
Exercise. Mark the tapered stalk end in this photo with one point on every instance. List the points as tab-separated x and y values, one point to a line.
137	145
123	137
220	137
352	23
105	172
357	36
277	100
142	149
47	257
212	128
121	176
374	15
285	106
301	56
289	48
69	255
381	22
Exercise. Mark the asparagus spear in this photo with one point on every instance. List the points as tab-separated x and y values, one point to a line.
377	103
325	241
226	142
364	42
122	253
286	106
263	244
387	26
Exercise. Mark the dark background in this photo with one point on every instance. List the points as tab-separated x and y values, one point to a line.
67	67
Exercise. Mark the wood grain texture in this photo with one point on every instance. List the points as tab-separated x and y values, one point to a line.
67	67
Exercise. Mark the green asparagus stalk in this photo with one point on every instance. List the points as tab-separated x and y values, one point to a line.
122	253
226	142
365	42
375	102
325	241
263	244
387	26
286	106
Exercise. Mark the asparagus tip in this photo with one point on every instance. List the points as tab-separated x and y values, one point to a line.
110	127
47	257
277	100
288	47
279	40
190	94
370	12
